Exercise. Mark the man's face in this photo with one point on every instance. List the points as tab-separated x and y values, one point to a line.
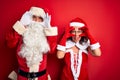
37	18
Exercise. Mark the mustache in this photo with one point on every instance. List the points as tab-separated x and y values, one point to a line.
37	23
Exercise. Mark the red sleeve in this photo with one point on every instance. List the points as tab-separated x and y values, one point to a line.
52	40
12	39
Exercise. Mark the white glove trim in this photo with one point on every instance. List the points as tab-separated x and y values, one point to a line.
18	27
94	46
51	31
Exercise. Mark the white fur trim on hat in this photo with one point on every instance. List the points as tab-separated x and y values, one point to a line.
94	46
77	24
19	28
37	12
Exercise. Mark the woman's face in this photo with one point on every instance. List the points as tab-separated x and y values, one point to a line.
76	32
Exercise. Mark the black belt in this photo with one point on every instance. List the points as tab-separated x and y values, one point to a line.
31	74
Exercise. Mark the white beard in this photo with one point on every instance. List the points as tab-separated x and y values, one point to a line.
34	44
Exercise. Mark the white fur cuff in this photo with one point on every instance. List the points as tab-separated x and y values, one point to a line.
94	46
52	31
18	27
60	47
12	75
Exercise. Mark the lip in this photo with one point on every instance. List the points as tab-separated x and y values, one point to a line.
75	38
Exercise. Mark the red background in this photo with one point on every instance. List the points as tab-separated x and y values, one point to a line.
103	19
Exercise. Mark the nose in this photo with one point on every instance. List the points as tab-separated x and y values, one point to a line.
37	19
77	33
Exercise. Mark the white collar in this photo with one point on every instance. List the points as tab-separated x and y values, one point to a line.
82	47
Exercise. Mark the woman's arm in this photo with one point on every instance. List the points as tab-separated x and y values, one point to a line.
95	52
60	54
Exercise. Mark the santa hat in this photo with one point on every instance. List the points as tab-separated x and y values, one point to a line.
37	12
77	22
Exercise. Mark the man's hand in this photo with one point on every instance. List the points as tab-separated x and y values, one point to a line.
26	19
47	20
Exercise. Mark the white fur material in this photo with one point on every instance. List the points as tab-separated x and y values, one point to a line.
34	68
60	47
12	75
77	24
51	31
94	46
37	12
34	44
19	28
70	44
75	71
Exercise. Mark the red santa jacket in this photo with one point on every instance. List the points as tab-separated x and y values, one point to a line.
15	40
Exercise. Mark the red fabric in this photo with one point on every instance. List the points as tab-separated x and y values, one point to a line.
12	39
52	40
67	73
15	40
79	20
66	35
90	37
87	34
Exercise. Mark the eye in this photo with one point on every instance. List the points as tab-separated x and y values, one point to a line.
73	31
41	18
34	16
79	31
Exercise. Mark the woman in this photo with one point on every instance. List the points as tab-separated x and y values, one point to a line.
74	47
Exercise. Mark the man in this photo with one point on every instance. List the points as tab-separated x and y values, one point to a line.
29	35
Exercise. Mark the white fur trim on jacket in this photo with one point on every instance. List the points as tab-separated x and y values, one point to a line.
78	62
19	28
94	46
34	68
83	47
12	75
51	31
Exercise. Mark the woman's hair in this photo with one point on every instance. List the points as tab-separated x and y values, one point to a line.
83	40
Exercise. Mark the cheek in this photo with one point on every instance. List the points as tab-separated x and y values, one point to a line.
34	19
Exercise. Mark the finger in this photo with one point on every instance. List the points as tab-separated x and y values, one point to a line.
71	28
83	28
82	34
49	17
46	15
